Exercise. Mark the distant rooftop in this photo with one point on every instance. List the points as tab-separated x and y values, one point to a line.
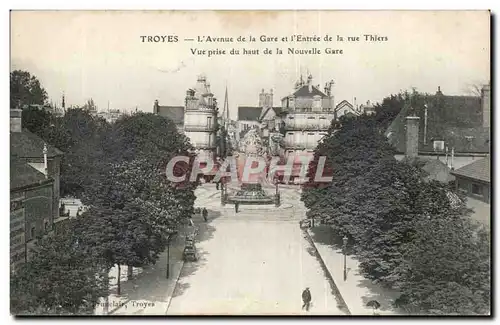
478	170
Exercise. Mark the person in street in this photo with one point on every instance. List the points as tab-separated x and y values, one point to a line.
306	299
205	214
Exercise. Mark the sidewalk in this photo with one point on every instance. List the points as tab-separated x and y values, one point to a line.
356	291
148	292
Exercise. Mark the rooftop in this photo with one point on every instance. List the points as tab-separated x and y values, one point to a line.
253	113
457	120
175	113
304	92
26	144
23	175
478	170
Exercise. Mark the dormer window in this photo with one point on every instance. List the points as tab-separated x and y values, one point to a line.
438	145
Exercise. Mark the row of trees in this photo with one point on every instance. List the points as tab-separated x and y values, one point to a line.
118	171
409	234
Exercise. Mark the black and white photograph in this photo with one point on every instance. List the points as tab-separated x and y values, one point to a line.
251	162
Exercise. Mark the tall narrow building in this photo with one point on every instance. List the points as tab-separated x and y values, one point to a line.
200	119
309	114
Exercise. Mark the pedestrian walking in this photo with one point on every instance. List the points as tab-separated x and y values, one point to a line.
205	214
306	299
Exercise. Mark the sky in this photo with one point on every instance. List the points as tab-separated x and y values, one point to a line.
100	55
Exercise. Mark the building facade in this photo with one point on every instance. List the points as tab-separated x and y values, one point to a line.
448	125
34	189
474	180
308	113
112	115
200	119
197	119
32	149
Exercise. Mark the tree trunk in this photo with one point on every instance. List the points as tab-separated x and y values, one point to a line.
118	288
130	271
106	299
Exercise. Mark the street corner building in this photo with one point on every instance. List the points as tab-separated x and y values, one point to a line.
34	189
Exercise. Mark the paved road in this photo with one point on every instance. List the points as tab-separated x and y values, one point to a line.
252	263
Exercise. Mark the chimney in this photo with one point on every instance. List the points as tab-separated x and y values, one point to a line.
262	99
155	107
412	124
309	83
45	164
485	105
271	100
16	120
425	124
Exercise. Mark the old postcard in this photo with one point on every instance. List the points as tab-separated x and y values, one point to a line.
250	163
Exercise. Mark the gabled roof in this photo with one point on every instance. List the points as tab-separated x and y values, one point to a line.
175	113
304	92
29	145
23	175
437	170
254	113
455	119
344	103
478	170
277	111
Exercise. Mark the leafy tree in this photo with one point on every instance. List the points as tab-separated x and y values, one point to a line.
145	135
393	217
392	105
37	121
116	231
152	141
446	268
84	153
25	89
80	136
59	279
352	150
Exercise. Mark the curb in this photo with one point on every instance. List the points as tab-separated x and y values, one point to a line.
335	289
169	299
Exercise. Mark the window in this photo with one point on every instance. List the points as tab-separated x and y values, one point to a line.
289	133
310	134
322	118
438	145
291	117
477	189
46	225
209	121
310	117
32	232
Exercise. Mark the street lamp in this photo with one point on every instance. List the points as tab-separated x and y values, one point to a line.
344	241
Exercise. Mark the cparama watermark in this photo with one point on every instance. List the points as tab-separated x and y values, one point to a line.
249	169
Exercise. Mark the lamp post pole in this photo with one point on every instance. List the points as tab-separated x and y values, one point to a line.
170	234
344	240
168	256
